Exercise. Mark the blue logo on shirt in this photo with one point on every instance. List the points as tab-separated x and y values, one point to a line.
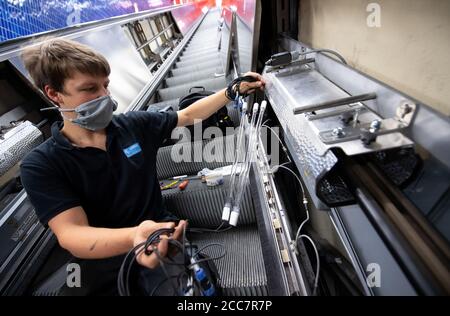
132	150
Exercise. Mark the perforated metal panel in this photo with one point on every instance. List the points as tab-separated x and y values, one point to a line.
241	271
17	143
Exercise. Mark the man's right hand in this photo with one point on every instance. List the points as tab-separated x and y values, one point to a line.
145	229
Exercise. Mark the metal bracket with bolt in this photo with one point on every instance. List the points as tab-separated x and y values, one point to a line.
369	132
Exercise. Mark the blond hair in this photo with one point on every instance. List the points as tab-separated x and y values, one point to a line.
56	60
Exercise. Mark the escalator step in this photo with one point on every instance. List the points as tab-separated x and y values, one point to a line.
202	43
201	155
182	90
206	37
190	77
205	61
200	50
242	270
198	66
194	69
201	54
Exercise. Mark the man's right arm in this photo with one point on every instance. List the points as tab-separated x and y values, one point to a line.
74	234
83	241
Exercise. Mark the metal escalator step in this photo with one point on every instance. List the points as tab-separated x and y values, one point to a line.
206	63
203	41
242	270
204	32
200	50
202	35
202	45
199	46
199	54
194	68
190	77
182	90
206	53
210	60
200	154
205	38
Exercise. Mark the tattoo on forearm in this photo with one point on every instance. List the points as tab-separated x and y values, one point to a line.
93	246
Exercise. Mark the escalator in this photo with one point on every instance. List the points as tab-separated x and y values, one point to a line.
242	271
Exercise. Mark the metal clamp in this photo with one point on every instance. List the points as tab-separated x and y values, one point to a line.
369	132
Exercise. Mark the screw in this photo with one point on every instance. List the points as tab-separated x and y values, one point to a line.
338	132
405	109
375	126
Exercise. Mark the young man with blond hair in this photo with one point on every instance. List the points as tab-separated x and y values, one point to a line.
94	181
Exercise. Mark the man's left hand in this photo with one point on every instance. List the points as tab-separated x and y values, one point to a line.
251	87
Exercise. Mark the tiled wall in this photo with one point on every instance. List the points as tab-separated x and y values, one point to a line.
24	17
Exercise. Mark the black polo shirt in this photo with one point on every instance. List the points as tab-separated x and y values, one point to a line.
116	188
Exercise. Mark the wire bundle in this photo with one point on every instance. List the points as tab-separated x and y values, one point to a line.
193	280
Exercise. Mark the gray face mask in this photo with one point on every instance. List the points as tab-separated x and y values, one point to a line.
93	115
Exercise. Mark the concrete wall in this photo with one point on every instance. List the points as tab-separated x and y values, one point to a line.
410	51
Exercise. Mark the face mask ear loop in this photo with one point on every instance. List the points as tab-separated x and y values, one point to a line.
51	108
56	108
66	110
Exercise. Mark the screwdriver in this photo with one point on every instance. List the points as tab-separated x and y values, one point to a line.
183	185
170	186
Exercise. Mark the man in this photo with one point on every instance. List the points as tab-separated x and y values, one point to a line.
94	181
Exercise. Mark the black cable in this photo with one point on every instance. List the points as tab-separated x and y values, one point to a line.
210	258
180	281
327	51
127	276
163	267
180	247
155	236
120	284
123	289
220	226
123	281
206	230
150	246
152	293
211	245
